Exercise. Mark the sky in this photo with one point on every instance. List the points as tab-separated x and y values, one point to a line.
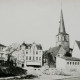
38	21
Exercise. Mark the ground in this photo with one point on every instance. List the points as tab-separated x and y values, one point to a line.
46	75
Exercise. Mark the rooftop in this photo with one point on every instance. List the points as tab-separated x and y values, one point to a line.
54	50
78	43
71	58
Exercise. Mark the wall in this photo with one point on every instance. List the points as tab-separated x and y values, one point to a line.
60	63
61	52
73	65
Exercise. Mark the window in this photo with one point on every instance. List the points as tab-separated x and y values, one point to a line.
26	57
33	58
26	52
36	52
73	63
70	62
1	55
67	62
30	58
39	58
36	58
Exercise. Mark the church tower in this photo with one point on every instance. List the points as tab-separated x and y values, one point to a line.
62	38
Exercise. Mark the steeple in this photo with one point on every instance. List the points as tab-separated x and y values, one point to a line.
62	26
62	39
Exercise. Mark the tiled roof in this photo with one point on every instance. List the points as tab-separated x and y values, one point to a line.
71	58
78	43
54	50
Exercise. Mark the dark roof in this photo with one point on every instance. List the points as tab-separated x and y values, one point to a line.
1	45
70	58
39	47
26	45
78	43
54	50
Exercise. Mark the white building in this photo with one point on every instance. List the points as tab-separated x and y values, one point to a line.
68	63
29	55
3	56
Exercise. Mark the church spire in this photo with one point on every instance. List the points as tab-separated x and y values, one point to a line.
62	26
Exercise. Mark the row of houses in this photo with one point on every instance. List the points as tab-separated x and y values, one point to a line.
23	55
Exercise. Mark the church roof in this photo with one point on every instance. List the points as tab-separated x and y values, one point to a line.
70	58
78	43
54	50
62	26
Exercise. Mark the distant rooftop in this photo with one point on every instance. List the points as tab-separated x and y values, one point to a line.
39	47
71	58
54	50
1	45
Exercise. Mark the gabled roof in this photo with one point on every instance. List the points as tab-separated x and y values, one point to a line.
54	50
78	43
70	58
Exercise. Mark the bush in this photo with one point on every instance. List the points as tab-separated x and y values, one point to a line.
11	71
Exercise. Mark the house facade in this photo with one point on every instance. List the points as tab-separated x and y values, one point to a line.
3	56
29	55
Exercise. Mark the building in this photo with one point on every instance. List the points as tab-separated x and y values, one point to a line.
3	56
28	55
62	47
62	38
71	64
67	62
76	49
